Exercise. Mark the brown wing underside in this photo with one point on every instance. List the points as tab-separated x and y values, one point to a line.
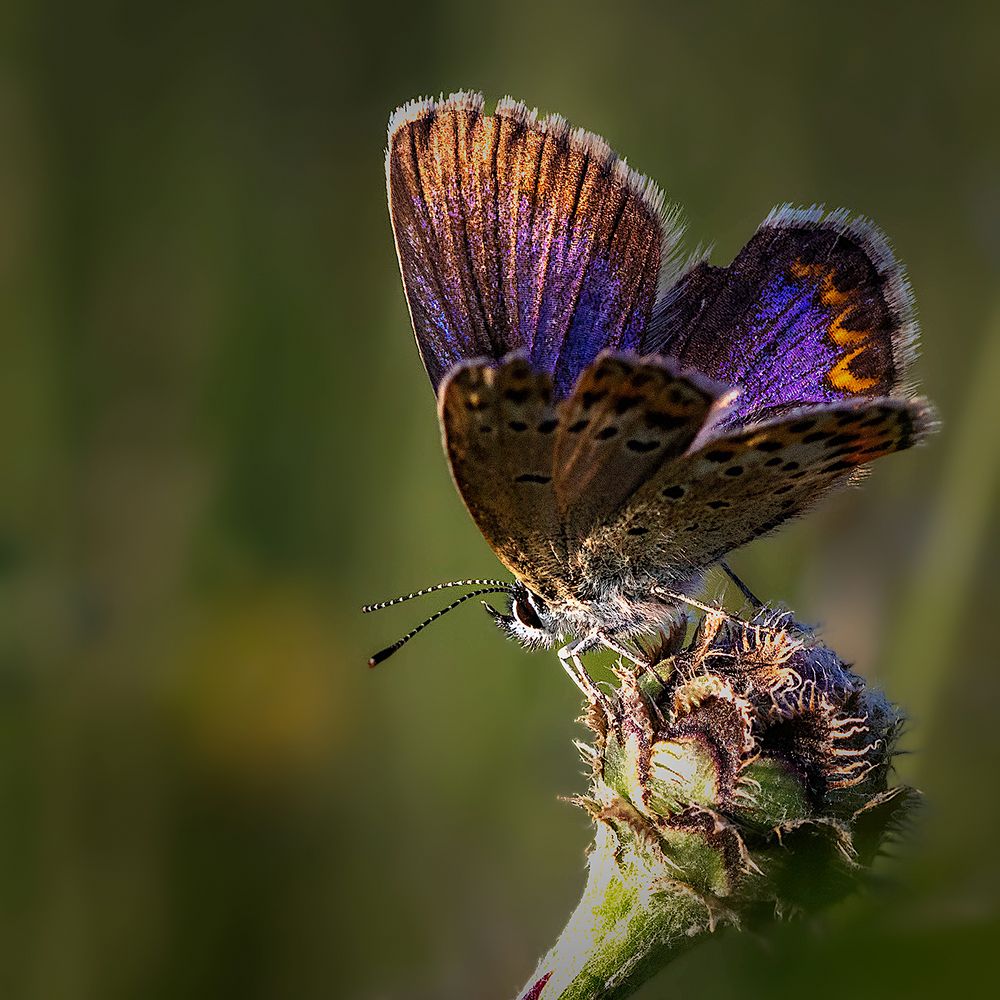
616	481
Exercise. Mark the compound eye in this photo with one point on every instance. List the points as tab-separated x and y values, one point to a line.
526	614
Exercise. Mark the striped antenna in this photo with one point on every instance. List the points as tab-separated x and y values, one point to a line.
399	643
498	584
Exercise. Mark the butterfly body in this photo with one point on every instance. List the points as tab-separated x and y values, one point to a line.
612	441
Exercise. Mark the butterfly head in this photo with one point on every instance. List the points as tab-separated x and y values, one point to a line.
529	619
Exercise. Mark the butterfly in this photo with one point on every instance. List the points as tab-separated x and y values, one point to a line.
617	421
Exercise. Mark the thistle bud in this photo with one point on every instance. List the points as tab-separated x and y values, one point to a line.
743	776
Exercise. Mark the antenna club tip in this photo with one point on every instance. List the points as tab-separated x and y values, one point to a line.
383	654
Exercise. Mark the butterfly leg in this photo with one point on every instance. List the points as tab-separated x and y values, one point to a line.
569	657
754	600
622	651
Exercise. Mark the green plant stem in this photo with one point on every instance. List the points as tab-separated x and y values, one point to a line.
741	778
628	924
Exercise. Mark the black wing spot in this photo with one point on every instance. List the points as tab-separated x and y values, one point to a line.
658	420
839	439
580	425
642	446
783	489
719	504
637	531
874	421
590	398
801	426
719	455
817	436
476	404
769	446
547	426
734	470
608	432
517	395
517	425
533	477
838	466
672	492
625	403
773	461
850	417
789	466
485	429
878	446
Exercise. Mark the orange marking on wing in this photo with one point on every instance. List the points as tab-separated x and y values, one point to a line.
838	303
841	376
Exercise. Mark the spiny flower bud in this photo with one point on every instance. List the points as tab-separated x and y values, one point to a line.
743	775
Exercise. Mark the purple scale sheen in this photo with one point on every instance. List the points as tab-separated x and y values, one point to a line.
566	270
780	357
588	333
530	276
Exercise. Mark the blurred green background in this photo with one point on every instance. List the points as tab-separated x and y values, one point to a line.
217	442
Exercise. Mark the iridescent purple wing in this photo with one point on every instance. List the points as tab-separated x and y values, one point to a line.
814	309
516	233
